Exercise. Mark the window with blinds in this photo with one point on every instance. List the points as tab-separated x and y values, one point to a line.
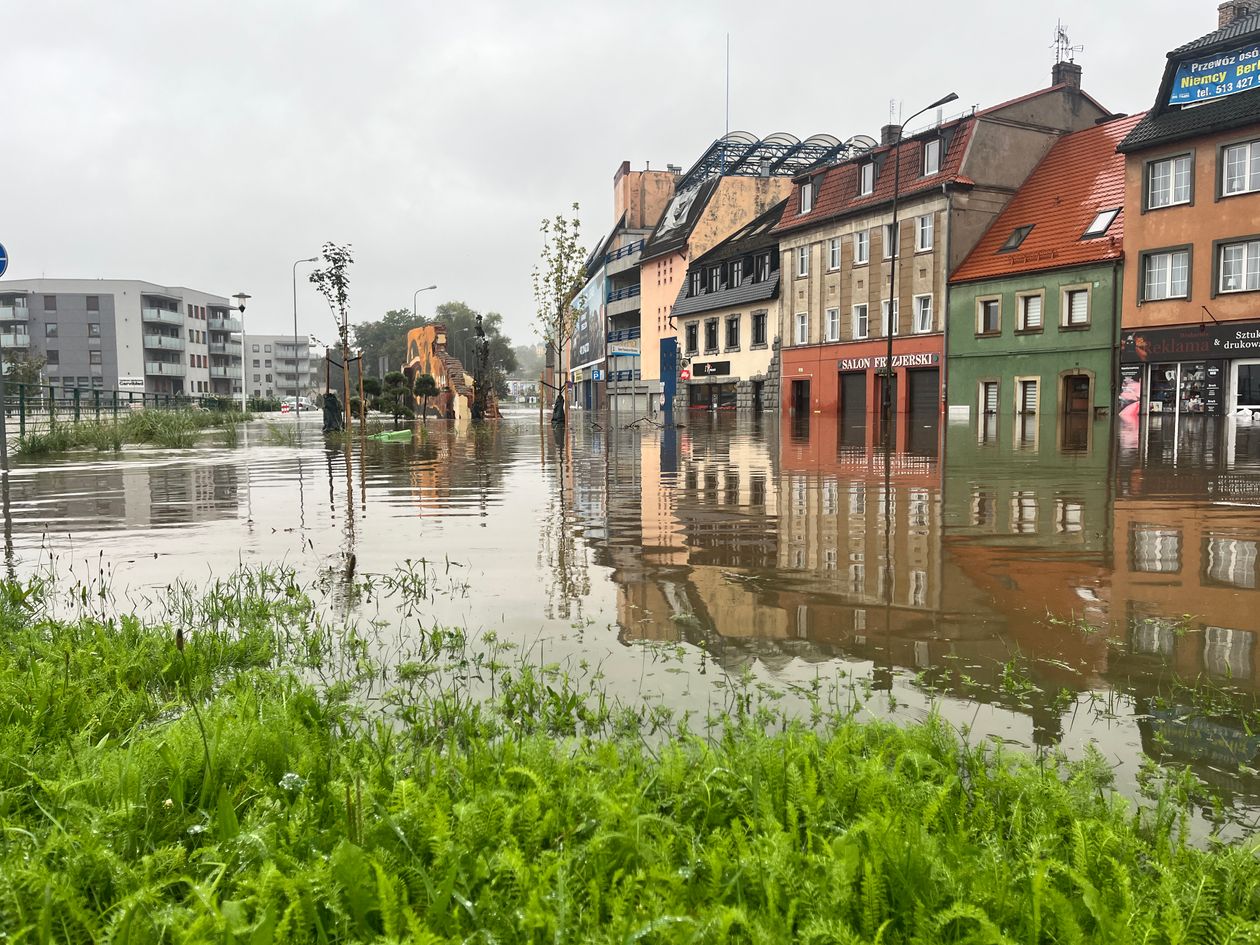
1076	308
1155	550
1028	396
989	396
1030	313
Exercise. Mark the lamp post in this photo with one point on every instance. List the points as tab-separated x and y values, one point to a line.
886	404
415	297
241	298
298	404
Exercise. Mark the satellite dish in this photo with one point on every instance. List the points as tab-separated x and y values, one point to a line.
859	143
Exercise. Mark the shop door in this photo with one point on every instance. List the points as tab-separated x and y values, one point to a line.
925	391
853	398
1076	394
800	398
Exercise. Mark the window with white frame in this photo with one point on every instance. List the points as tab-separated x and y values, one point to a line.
1166	275
1101	223
1030	312
737	272
802	260
866	179
697	284
833	325
923	233
833	253
1168	182
1240	169
1075	308
931	157
1240	267
891	241
988	316
883	322
762	267
1029	395
861	247
922	314
807	196
801	336
861	321
715	278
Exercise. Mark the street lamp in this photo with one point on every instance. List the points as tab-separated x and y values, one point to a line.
297	374
886	406
415	296
241	298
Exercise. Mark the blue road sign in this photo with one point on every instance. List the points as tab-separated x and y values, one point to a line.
4	259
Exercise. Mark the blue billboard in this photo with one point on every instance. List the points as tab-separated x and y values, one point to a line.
1198	80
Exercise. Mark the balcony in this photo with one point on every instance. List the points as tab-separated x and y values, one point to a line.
214	323
12	312
165	369
625	258
232	348
624	334
219	370
161	316
623	301
13	339
163	343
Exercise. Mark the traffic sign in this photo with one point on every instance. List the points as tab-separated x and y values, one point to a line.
4	259
685	374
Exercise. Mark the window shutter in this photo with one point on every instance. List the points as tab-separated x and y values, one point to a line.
1032	311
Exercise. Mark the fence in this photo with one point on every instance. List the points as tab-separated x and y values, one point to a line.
35	408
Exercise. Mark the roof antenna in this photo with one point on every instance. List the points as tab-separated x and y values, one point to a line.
1064	51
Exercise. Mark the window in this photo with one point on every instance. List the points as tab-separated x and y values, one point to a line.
737	272
94	357
1028	396
988	398
1101	223
1231	561
891	239
1227	652
807	196
715	278
833	325
257	363
50	329
52	357
257	378
922	313
866	179
759	329
1030	312
697	286
802	260
710	335
691	333
1168	182
1240	169
1166	275
1075	308
931	157
50	303
94	329
763	267
802	328
267	362
861	248
861	321
923	233
269	381
1018	235
883	315
1240	267
267	349
732	332
988	316
93	303
833	253
255	352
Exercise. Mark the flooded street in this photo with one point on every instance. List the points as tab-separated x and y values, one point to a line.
1053	588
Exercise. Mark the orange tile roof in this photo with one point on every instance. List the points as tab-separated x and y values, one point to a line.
1081	175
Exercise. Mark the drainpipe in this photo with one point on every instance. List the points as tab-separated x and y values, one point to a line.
949	208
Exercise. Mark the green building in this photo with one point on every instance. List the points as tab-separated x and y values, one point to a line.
1034	309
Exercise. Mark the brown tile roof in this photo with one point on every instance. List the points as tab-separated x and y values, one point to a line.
838	195
1081	175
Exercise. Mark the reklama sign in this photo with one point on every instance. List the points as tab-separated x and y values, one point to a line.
1198	80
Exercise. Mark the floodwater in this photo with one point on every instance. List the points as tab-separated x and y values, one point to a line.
1059	586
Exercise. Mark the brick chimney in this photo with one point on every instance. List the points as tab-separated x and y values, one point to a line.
1066	73
1233	10
889	134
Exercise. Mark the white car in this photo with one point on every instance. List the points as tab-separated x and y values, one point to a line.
303	402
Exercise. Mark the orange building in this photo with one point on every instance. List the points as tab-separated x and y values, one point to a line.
427	354
1191	316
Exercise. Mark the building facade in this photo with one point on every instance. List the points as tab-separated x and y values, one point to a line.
1191	324
104	334
838	238
727	315
1034	308
280	366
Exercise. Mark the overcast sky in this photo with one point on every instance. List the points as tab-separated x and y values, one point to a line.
211	144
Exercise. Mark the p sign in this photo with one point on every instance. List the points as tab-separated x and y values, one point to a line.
685	374
4	259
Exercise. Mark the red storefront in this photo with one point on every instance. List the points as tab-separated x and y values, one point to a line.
846	379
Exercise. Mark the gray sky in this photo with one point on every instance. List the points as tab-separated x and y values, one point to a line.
211	144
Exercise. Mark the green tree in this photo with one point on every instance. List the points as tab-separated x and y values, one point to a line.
385	339
395	394
333	282
558	278
425	388
24	368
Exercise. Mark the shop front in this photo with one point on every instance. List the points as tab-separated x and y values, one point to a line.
848	379
711	387
1209	370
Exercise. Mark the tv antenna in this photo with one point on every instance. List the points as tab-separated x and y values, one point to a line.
1064	51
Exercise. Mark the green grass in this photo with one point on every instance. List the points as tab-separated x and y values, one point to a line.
214	778
172	429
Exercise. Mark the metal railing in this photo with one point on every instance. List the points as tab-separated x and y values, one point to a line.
36	408
623	334
628	250
628	292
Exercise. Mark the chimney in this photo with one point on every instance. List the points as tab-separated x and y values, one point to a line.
1066	73
1231	11
889	134
674	169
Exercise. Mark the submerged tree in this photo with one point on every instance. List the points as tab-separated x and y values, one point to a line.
333	282
425	387
558	278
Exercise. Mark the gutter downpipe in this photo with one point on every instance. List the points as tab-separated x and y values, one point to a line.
949	230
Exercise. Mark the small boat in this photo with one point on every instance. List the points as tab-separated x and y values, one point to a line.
391	436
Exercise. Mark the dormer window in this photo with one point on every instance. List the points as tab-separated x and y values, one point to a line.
697	283
1017	237
807	196
763	268
931	157
715	278
1102	222
866	179
737	272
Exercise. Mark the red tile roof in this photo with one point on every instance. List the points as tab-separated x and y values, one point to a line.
838	194
1080	176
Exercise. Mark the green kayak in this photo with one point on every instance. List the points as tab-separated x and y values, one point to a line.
392	435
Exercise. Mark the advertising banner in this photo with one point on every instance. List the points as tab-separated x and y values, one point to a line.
1190	342
589	332
1198	80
